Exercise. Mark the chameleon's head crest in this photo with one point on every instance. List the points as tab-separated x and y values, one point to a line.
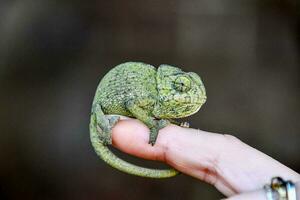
180	93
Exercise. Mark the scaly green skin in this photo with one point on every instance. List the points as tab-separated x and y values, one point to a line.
154	96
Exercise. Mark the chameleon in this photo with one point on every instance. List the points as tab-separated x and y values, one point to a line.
155	96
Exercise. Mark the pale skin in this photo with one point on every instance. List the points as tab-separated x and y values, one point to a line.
237	170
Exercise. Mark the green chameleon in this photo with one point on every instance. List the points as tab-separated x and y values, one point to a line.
154	96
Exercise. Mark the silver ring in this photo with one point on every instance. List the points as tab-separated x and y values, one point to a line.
280	189
291	190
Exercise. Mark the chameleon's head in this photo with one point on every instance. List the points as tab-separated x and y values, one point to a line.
180	94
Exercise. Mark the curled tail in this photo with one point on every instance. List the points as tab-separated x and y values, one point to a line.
105	154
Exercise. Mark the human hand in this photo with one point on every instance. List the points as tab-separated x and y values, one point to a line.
230	165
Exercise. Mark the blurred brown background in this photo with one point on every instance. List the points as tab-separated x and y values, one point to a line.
53	54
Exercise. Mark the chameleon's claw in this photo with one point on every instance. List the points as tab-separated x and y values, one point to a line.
185	124
151	142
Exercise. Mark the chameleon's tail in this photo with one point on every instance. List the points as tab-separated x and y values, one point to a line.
111	159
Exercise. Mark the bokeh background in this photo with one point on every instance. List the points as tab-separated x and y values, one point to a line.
53	54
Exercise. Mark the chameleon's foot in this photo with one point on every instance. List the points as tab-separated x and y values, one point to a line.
154	131
185	124
105	134
153	135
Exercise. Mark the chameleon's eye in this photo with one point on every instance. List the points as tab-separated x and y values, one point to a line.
182	84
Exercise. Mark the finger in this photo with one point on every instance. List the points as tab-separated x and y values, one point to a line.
187	150
132	136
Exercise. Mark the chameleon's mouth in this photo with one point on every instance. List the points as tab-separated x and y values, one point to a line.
190	99
197	100
192	108
203	100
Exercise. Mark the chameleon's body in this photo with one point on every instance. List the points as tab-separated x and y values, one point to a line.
154	96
